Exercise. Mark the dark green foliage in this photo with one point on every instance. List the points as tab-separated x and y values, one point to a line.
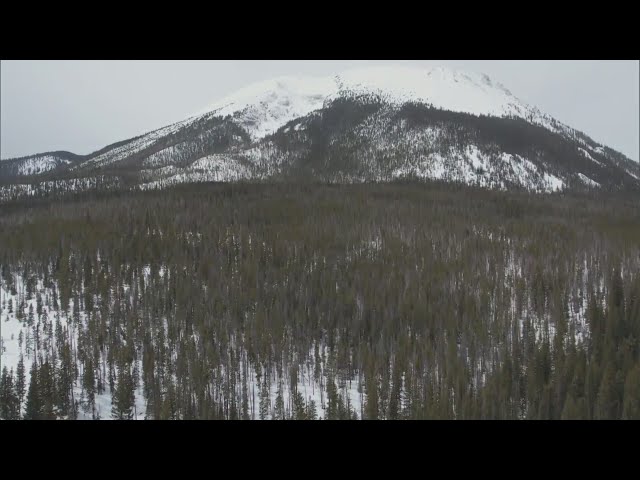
631	406
34	407
123	394
307	301
9	400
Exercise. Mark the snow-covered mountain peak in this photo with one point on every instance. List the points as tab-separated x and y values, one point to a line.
278	90
265	106
441	87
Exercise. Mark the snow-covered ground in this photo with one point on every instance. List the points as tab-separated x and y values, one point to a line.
511	271
12	329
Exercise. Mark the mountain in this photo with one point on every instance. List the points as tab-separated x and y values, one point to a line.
36	164
367	124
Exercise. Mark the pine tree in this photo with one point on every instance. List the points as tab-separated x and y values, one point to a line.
245	400
47	387
65	383
278	410
4	393
299	408
89	385
9	404
264	400
631	406
606	405
20	382
371	405
123	397
311	410
333	401
34	408
571	410
168	411
30	317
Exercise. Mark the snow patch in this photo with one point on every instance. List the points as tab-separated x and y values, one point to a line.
588	155
553	182
587	181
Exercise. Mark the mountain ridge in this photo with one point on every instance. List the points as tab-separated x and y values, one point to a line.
383	123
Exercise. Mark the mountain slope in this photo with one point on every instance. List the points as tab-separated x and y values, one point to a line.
33	165
371	124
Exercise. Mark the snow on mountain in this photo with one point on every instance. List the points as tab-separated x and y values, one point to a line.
475	167
394	136
441	87
40	164
131	147
213	168
587	181
52	187
34	164
589	156
263	107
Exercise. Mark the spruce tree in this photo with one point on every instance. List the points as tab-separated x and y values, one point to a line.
312	413
299	408
20	381
333	401
264	400
9	403
606	403
89	385
245	400
47	387
631	405
34	407
123	397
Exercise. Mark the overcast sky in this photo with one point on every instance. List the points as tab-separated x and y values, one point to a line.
81	106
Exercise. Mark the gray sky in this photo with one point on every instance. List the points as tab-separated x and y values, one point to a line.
81	106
